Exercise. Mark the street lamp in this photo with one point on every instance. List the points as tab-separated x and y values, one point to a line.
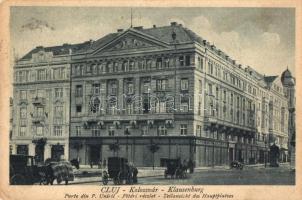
127	133
153	148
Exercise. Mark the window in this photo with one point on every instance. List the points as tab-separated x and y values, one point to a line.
96	131
188	60
79	91
198	130
40	112
161	84
41	75
109	67
125	66
145	130
113	89
184	84
115	67
88	69
23	113
40	93
159	63
160	107
183	129
58	73
149	64
200	87
200	63
95	105
146	87
162	130
58	112
130	108
58	92
94	69
57	130
210	92
79	108
217	93
199	108
22	131
181	60
184	107
111	130
131	66
23	94
166	63
96	89
78	130
40	130
130	88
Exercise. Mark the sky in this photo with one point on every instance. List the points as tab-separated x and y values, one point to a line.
263	38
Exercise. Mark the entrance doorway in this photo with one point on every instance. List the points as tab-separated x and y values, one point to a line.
56	152
231	153
39	153
95	154
22	149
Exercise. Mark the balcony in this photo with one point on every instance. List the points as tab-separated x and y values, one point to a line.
38	119
38	101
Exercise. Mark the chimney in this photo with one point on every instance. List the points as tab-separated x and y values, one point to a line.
173	23
120	30
138	28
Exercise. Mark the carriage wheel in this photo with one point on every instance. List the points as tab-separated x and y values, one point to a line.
18	179
176	173
105	180
115	180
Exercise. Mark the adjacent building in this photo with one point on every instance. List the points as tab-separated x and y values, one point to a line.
147	94
41	96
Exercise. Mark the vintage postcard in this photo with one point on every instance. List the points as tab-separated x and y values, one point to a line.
150	100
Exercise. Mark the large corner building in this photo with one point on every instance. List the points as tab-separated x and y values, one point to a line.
149	95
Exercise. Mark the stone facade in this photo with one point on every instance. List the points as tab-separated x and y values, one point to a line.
155	94
123	87
40	124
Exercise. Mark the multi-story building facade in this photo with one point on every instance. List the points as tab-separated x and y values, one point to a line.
40	124
164	92
147	95
289	83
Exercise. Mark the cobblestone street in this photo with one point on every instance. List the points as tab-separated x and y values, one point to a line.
258	175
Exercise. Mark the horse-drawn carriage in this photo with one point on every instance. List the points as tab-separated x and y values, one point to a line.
175	169
119	171
24	171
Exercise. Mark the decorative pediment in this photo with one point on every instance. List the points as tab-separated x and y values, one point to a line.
131	40
130	43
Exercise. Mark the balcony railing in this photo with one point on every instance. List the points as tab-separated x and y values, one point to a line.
38	101
38	118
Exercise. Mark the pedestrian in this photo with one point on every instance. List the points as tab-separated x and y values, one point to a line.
100	164
104	164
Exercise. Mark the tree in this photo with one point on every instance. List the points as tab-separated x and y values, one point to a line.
153	149
77	146
115	147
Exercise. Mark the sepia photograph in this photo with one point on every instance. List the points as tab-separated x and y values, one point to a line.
177	97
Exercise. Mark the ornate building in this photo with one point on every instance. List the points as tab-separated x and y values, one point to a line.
40	124
148	95
164	92
289	82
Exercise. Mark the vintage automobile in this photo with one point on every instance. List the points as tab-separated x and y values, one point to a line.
23	170
119	171
175	169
